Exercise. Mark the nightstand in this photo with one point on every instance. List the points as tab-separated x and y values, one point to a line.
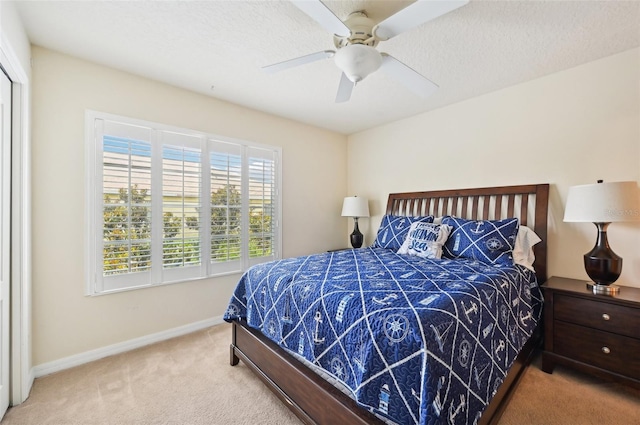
596	334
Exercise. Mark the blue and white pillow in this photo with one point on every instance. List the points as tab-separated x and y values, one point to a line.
425	240
489	241
394	228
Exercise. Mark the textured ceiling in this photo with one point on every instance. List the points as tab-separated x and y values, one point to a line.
217	48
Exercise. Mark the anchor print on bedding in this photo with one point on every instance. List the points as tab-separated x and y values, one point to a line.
413	340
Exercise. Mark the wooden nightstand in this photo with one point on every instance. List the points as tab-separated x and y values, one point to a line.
596	334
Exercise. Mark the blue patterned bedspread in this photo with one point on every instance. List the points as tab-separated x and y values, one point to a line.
413	340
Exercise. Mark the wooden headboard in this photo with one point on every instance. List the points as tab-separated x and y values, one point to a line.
529	203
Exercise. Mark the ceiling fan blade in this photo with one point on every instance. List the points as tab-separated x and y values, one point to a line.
407	76
324	16
276	67
344	89
413	15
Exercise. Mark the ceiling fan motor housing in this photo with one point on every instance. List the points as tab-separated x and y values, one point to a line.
361	31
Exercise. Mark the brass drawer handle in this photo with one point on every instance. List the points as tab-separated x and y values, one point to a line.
606	350
605	316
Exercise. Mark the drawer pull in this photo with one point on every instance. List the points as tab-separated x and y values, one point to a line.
606	350
605	316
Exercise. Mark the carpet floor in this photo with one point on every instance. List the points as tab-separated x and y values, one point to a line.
188	380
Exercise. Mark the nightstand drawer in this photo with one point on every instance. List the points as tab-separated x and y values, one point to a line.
615	353
600	315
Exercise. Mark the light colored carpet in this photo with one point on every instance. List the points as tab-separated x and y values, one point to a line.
566	397
188	380
185	380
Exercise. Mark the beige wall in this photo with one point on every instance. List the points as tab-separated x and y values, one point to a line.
65	321
569	128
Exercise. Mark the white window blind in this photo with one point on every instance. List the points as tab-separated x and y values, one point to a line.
125	170
167	205
261	199
181	205
226	205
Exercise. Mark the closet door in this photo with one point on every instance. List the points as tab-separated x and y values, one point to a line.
5	236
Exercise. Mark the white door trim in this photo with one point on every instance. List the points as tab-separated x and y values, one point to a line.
21	371
5	240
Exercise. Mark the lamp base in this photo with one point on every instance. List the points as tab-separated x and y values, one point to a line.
356	237
611	290
602	265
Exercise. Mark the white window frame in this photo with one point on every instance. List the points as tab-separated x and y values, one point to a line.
96	282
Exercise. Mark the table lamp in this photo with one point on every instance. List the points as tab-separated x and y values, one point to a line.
603	203
355	207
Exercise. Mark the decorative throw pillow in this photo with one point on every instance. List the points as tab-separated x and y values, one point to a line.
523	249
425	240
394	228
489	241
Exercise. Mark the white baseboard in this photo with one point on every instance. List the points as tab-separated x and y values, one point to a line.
89	356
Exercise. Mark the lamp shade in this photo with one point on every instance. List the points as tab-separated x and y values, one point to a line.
603	203
355	207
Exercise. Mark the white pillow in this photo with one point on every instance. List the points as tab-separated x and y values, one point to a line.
523	249
425	240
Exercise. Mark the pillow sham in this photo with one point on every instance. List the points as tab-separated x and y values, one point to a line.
523	248
489	241
425	240
394	228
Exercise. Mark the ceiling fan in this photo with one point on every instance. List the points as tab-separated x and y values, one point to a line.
356	39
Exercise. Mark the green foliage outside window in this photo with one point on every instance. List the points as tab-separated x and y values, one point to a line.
226	219
127	231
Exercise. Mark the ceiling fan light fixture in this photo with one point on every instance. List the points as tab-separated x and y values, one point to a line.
357	61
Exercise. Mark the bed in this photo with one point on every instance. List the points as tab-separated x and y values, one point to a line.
373	336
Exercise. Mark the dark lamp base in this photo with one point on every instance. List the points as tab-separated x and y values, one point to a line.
356	237
356	240
602	264
603	270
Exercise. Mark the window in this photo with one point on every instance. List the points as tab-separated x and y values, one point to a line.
168	205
